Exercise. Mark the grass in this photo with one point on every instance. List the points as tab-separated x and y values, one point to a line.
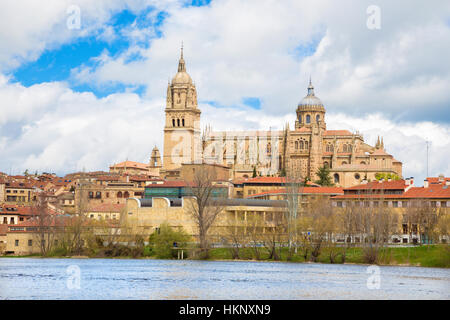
424	256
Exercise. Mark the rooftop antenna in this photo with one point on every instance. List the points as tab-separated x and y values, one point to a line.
427	142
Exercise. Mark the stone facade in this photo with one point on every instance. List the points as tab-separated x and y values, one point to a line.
298	153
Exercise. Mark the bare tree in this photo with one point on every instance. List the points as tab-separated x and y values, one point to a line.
323	221
45	225
206	205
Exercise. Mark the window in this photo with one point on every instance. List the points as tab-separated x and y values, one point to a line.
444	204
16	243
11	221
182	122
405	228
296	144
395	204
30	243
339	204
317	118
357	176
308	118
301	144
173	122
300	118
336	178
344	148
375	204
178	122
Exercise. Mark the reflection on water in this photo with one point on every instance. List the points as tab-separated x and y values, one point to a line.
27	278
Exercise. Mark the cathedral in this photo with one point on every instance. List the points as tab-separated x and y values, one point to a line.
297	152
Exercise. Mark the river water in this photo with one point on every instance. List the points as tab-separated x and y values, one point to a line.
35	278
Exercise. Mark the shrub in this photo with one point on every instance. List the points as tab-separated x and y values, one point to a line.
162	242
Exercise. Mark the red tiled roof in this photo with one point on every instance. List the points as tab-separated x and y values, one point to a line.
376	185
20	210
380	152
130	165
303	190
169	184
18	185
337	133
433	191
436	180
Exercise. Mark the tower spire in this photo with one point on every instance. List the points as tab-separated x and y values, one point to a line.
181	64
310	88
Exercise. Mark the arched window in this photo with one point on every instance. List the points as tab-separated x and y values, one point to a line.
296	144
308	118
344	162
325	164
119	194
178	122
182	122
173	122
345	148
301	144
349	148
363	162
300	118
306	144
269	148
336	178
317	118
126	194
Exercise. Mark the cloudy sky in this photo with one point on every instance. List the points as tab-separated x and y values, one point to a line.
87	95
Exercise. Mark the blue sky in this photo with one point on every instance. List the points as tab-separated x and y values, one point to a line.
251	62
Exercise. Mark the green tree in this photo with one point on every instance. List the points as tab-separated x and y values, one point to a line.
386	176
162	241
26	172
324	177
254	172
305	182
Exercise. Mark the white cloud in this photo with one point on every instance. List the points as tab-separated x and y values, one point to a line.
237	49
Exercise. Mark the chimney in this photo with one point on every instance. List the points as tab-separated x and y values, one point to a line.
425	183
407	181
447	182
441	178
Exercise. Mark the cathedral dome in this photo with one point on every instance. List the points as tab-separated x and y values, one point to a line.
311	102
182	77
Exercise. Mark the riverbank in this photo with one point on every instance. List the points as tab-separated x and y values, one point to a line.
437	256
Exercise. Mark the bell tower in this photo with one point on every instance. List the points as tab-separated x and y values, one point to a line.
182	127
